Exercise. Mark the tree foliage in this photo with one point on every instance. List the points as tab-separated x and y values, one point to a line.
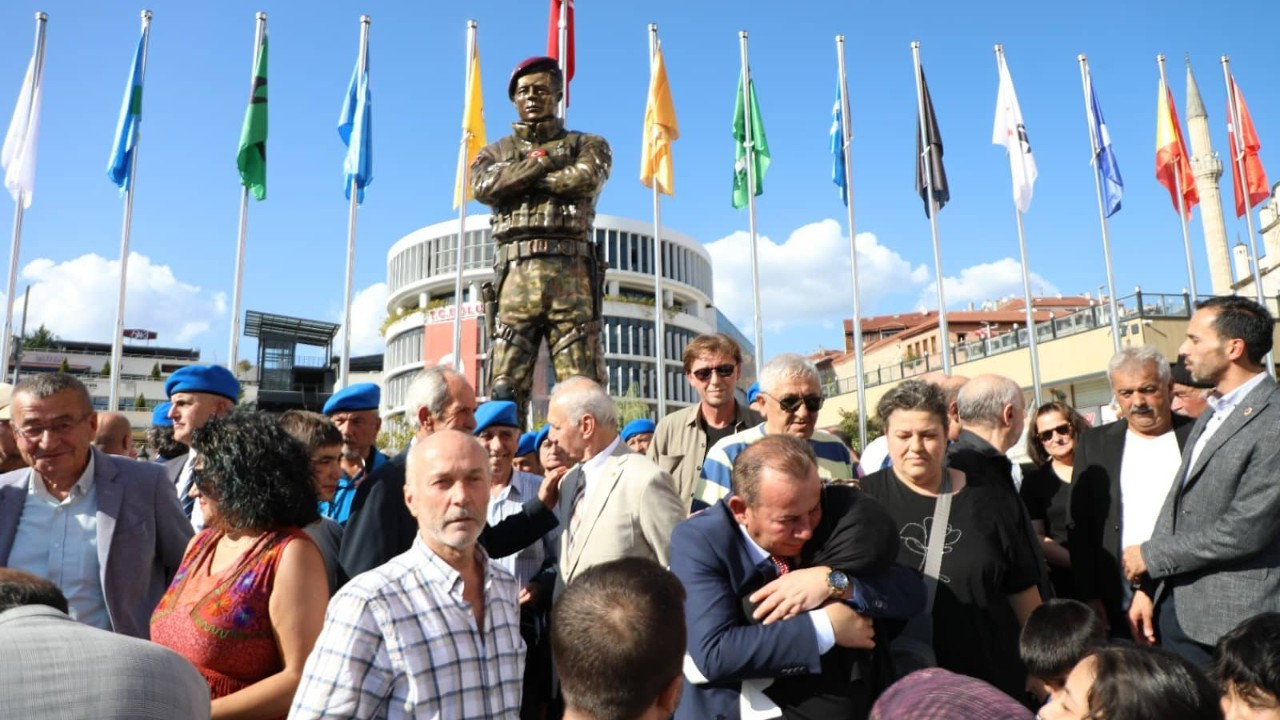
849	426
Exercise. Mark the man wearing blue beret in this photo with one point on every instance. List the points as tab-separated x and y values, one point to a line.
161	447
526	459
354	410
197	393
638	433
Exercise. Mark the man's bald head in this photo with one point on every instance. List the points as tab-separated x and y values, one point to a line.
447	490
950	386
992	407
115	435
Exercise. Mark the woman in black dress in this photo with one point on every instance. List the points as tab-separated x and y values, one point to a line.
987	581
1046	485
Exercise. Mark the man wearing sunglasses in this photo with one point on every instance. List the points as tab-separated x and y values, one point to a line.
790	398
712	364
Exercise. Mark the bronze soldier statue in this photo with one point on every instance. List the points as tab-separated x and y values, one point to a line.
542	182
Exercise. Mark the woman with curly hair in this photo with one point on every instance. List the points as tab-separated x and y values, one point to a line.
1046	484
248	600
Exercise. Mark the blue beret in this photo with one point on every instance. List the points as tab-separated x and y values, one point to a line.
528	444
637	427
213	379
160	416
494	413
541	437
361	396
752	392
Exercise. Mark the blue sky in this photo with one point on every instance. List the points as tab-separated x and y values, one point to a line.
185	210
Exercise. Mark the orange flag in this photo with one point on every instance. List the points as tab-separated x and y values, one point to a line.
660	130
1171	152
1255	176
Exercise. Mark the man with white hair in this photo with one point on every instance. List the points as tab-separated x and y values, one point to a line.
790	398
616	503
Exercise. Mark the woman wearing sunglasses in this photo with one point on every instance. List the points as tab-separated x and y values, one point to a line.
1051	445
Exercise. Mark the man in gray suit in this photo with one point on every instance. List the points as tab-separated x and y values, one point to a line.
1216	545
108	531
125	677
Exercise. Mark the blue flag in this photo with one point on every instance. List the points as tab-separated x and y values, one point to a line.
837	148
120	164
1112	185
355	127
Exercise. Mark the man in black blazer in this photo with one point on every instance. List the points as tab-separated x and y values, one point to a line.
381	527
1141	381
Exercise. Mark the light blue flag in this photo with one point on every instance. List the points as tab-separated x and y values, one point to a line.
120	164
837	149
1106	157
355	127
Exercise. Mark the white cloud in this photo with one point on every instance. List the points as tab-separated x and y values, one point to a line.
368	310
986	281
76	299
807	279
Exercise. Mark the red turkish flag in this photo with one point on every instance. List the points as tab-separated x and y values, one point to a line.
553	41
1255	176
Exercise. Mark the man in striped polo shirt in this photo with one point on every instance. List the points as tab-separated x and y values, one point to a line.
789	400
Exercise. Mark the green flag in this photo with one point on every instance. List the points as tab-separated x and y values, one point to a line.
252	155
760	145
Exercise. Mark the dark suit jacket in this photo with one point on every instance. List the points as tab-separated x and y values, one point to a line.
1216	544
383	528
1096	512
712	560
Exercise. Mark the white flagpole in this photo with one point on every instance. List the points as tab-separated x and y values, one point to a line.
659	322
344	362
465	171
562	28
927	158
233	354
846	139
1233	104
117	344
750	157
1179	180
1026	271
1087	81
36	73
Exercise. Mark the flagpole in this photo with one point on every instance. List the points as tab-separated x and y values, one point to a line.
1178	179
846	139
659	302
1087	81
464	171
117	344
1241	177
38	69
927	157
233	354
344	362
562	42
750	157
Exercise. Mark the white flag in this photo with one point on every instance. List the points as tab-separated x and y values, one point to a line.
18	156
1012	134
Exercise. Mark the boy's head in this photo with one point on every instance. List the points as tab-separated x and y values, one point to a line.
1059	634
1247	668
323	442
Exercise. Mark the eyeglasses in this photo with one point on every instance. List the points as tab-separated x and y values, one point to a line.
1064	430
792	403
56	428
725	370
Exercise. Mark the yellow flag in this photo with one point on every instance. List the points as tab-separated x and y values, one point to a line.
660	130
473	137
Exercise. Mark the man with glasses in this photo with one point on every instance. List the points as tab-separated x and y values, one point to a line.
712	364
1121	475
354	411
790	398
108	531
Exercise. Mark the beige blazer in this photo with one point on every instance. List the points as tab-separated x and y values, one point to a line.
630	512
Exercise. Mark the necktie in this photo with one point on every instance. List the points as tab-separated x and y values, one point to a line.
188	502
783	564
575	521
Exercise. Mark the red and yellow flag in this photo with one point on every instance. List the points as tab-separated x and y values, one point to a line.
660	130
1171	153
1255	176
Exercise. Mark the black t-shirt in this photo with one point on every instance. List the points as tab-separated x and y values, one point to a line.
715	435
986	558
1047	499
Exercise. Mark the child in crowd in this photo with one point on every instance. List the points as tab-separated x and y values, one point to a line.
1059	634
1247	668
323	442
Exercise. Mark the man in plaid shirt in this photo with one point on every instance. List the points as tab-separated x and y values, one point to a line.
435	632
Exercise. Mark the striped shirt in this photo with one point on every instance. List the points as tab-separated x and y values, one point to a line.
400	641
526	563
834	461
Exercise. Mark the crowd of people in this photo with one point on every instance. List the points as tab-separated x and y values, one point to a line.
732	560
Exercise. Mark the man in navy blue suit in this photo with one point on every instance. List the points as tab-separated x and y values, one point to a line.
783	579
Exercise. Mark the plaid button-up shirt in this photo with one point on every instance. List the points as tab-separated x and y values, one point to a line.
400	641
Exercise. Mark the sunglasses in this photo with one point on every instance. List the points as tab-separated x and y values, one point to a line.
1064	430
724	371
792	403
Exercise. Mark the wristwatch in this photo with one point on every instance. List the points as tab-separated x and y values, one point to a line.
838	582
